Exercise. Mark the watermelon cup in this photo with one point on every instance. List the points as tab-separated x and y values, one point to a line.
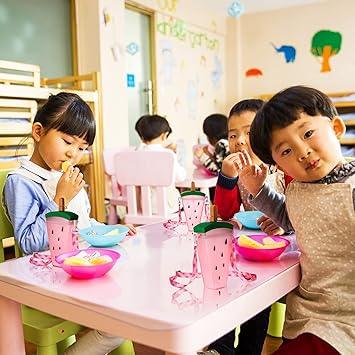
62	233
261	254
193	203
214	249
86	272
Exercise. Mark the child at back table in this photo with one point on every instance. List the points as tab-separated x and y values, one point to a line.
215	128
230	195
154	131
62	130
299	130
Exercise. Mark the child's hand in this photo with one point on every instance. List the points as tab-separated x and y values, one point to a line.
172	146
229	166
269	227
251	175
70	183
198	152
132	229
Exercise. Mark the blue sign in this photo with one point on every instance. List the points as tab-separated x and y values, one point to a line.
130	81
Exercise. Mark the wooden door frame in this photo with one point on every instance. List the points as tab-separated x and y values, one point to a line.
131	5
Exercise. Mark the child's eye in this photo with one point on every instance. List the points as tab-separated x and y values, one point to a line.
308	134
82	149
248	133
286	151
232	136
67	142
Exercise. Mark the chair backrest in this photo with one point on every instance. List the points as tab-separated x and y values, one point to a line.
6	230
147	170
109	158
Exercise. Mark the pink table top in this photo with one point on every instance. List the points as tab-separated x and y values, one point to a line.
137	290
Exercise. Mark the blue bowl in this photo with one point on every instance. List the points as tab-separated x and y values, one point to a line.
248	219
95	235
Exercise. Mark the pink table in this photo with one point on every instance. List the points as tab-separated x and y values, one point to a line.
136	301
202	181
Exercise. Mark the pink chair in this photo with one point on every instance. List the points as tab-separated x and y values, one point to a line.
146	170
118	192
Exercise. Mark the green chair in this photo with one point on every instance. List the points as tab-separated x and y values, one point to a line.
277	319
51	335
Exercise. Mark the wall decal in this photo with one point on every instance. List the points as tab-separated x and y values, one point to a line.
168	61
178	29
288	51
216	72
132	48
167	5
235	9
325	44
253	72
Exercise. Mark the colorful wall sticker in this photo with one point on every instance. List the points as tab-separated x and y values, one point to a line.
131	81
325	44
253	72
132	48
289	52
235	9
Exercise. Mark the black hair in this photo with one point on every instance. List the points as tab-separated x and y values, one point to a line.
253	105
282	110
150	127
215	127
68	113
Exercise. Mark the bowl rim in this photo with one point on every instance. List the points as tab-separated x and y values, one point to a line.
61	262
249	248
114	226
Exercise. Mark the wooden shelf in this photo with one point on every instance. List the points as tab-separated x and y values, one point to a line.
347	141
93	159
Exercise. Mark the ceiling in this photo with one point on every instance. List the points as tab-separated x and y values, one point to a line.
250	6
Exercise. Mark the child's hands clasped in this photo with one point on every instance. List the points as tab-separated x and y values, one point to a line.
69	185
251	175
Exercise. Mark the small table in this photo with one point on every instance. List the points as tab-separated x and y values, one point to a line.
202	181
135	299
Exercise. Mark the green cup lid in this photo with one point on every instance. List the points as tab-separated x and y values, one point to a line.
189	193
71	216
204	227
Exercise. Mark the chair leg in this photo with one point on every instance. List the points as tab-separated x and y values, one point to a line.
64	344
112	215
125	349
47	350
276	320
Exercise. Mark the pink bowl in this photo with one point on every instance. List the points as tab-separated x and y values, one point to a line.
88	272
261	254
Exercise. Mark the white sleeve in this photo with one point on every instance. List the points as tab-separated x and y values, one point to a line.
180	172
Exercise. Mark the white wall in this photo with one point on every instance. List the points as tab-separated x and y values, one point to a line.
95	42
188	98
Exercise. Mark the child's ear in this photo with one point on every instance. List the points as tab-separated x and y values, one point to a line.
338	126
37	131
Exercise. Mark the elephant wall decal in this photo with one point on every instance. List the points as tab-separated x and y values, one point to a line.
288	51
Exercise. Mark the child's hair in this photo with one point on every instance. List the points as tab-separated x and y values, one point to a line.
150	127
69	114
215	127
253	105
283	109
